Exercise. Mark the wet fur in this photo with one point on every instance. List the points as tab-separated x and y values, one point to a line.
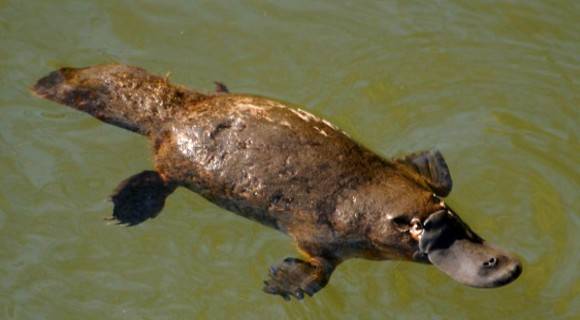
266	161
260	158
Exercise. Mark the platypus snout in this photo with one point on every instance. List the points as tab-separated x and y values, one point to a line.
451	246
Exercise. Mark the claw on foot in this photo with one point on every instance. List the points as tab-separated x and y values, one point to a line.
295	278
220	87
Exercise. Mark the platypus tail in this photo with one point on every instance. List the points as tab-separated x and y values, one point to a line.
125	96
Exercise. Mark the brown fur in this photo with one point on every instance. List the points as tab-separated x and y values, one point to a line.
266	161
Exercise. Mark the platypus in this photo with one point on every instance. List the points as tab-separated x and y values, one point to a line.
287	169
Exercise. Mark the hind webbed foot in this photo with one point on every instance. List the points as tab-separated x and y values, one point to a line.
140	197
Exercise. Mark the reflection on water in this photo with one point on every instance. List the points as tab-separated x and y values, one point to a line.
494	85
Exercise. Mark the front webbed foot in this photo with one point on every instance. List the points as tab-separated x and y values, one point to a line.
431	166
294	277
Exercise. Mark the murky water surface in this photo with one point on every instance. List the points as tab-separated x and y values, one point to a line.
495	85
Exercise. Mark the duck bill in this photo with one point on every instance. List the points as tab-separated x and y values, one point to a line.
452	247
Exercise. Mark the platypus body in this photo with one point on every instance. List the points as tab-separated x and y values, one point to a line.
287	169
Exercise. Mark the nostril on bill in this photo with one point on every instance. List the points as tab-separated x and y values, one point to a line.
490	263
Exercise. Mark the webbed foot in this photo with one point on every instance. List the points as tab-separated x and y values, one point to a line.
432	167
294	277
140	197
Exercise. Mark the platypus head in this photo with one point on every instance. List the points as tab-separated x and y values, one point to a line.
425	229
451	246
445	241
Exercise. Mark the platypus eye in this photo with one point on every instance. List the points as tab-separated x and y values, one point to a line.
400	221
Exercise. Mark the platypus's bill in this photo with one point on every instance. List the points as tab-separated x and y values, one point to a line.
453	248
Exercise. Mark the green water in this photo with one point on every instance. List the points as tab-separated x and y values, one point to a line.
495	85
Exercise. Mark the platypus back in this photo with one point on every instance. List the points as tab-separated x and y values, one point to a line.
125	96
